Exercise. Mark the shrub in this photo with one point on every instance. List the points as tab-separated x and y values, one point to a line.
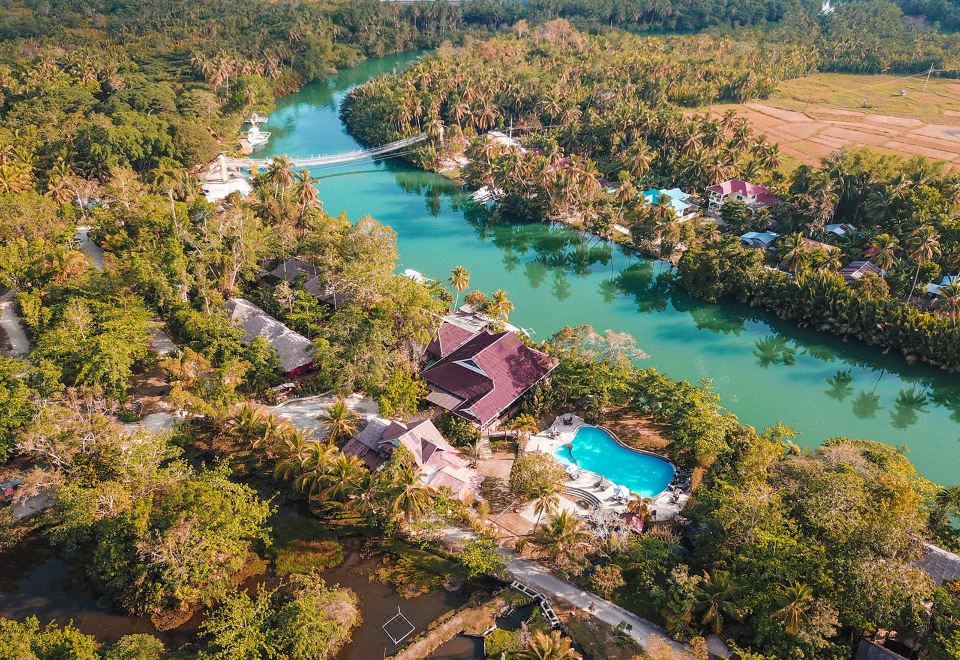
536	474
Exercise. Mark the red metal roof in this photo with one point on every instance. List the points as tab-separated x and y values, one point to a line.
449	338
747	189
489	372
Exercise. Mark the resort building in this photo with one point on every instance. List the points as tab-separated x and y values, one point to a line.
857	269
483	379
291	270
840	230
813	245
754	196
683	209
456	328
439	463
934	288
758	239
295	350
504	140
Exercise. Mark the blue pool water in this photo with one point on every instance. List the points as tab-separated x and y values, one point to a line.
593	449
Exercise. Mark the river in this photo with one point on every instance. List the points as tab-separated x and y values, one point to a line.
764	370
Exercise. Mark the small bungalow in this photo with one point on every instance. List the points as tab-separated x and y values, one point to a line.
683	209
934	288
813	245
857	269
840	230
483	379
758	239
440	464
502	139
295	350
941	565
291	270
754	196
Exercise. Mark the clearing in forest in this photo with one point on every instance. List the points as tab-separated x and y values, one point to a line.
814	116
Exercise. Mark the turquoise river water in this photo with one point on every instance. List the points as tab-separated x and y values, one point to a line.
764	370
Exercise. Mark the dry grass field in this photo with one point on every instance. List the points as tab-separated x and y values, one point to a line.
814	116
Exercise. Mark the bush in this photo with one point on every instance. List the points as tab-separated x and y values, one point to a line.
501	642
536	474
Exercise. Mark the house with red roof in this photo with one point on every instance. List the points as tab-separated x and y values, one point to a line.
754	196
439	463
483	378
459	326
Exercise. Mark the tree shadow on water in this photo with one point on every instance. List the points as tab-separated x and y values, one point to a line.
906	411
774	350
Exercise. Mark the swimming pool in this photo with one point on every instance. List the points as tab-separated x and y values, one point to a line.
593	448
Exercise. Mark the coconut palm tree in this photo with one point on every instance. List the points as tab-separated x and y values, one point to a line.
280	173
314	468
547	504
410	496
923	245
307	198
343	478
548	647
460	281
715	600
564	535
793	247
950	299
246	422
883	251
339	421
500	306
794	610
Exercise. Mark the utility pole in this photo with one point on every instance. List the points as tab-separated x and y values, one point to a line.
927	82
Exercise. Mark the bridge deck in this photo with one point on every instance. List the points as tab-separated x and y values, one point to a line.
347	157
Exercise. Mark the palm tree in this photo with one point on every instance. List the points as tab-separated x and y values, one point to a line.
950	298
793	248
280	173
924	245
547	504
714	599
883	251
411	497
307	198
246	422
548	647
794	610
460	281
499	305
564	535
314	468
339	421
344	477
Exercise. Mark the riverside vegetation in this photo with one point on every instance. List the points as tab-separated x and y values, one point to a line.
105	109
602	123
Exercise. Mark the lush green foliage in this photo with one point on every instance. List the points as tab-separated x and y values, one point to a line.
302	619
480	556
156	534
536	474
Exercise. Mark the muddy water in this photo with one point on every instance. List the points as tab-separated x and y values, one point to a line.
35	581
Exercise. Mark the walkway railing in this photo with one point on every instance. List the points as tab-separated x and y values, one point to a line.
346	157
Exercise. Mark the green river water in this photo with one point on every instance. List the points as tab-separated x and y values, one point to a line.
764	370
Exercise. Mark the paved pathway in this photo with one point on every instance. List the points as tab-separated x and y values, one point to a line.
93	251
305	413
540	578
10	322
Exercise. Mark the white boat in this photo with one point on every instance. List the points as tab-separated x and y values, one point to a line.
255	137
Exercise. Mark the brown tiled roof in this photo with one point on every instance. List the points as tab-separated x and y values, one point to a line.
489	373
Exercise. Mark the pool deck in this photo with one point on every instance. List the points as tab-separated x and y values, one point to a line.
559	434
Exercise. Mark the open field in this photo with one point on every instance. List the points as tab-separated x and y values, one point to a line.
814	116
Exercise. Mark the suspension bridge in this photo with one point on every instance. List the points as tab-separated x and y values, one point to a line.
333	159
